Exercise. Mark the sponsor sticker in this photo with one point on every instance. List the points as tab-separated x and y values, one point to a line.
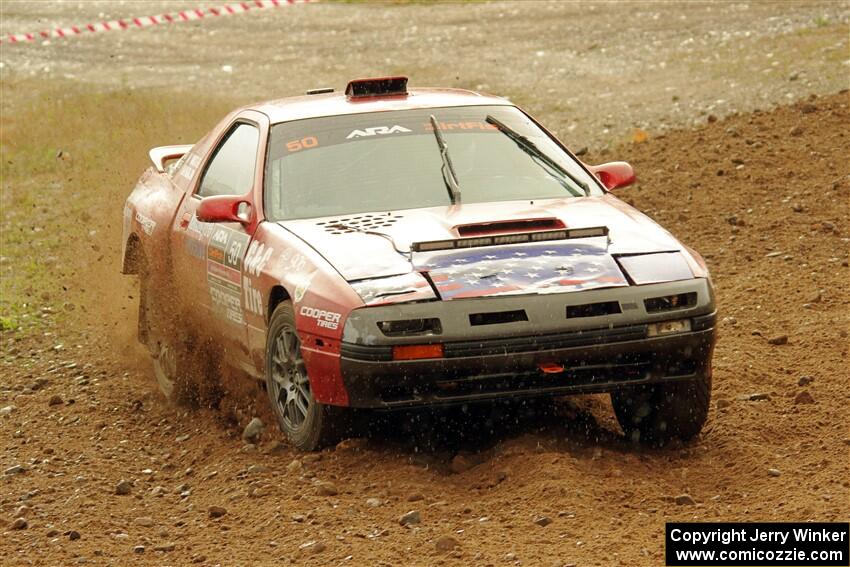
257	256
377	131
323	318
255	260
252	296
291	261
196	245
302	286
303	143
465	125
224	278
148	225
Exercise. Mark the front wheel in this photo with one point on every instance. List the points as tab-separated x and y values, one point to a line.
308	424
656	413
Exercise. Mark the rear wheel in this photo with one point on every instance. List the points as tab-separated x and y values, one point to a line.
186	372
165	369
308	424
656	413
178	360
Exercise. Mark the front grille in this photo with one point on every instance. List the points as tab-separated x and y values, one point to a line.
497	317
593	309
544	342
503	346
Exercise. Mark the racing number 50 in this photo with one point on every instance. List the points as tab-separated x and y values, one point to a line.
303	143
234	254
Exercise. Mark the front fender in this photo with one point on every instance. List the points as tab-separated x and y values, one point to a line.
321	298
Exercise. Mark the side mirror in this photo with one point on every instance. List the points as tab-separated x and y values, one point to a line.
614	174
224	208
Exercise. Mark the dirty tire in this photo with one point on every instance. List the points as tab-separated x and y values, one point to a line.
178	360
657	413
308	424
186	373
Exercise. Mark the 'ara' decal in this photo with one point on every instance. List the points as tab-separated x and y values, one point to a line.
377	130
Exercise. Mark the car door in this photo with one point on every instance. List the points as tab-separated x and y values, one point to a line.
208	257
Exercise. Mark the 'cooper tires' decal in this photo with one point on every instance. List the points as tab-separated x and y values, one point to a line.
324	319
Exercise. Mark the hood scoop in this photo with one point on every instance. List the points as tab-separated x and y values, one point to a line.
508	226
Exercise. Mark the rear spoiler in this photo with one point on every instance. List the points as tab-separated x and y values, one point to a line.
514	238
162	154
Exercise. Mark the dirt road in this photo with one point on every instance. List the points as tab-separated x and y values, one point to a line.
102	470
774	229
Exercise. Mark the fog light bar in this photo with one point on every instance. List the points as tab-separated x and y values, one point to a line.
505	239
668	327
417	352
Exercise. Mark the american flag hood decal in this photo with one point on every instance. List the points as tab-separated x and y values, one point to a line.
545	267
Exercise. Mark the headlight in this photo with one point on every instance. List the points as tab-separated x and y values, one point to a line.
656	268
668	327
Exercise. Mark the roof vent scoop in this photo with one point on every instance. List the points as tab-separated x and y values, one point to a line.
382	86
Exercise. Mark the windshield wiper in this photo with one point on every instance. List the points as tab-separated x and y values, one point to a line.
448	170
532	150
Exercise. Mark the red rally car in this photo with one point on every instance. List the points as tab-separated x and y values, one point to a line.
391	248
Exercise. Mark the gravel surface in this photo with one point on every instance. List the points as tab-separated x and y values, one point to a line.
594	71
133	476
98	469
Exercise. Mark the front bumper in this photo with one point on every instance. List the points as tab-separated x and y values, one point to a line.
598	353
599	360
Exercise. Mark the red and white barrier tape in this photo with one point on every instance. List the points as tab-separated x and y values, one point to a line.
146	21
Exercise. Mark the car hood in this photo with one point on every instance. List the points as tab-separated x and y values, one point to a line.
361	256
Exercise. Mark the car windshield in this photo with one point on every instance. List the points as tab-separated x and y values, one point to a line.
383	161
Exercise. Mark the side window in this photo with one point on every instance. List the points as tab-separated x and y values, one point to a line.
231	170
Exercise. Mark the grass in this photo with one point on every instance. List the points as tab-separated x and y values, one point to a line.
822	21
69	155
